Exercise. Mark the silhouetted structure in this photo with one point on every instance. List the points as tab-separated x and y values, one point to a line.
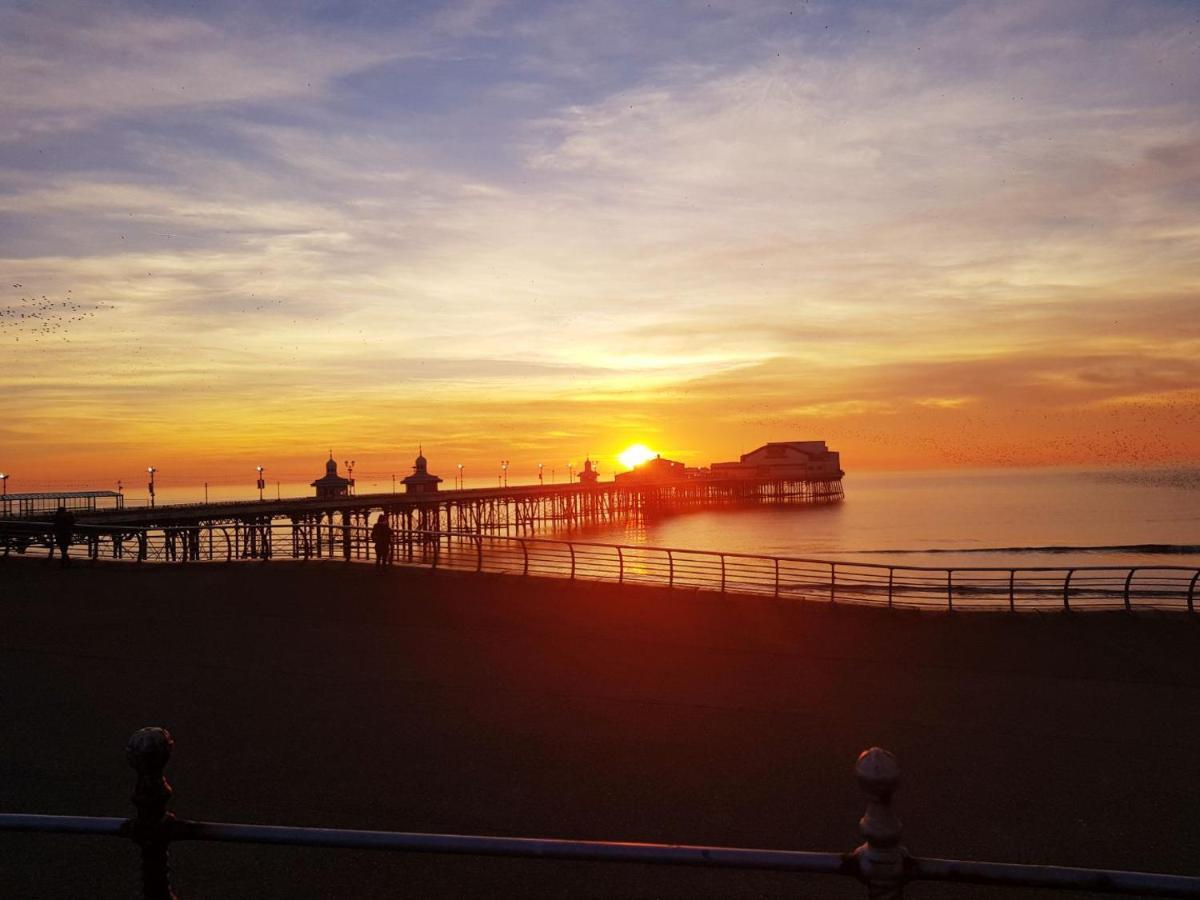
421	481
783	460
338	523
654	471
24	506
589	475
331	484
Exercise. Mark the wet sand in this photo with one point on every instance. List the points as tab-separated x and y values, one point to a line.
325	694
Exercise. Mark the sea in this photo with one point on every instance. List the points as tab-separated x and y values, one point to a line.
964	517
981	517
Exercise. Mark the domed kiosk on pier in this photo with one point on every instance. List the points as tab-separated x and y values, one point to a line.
331	484
421	481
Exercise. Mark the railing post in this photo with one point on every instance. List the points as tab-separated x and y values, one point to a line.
891	581
1128	580
722	573
832	582
525	556
670	569
572	548
437	548
478	552
1192	592
1067	590
777	577
143	550
881	858
148	751
1012	595
620	566
950	589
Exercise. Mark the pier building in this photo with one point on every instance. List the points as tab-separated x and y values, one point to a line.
421	481
331	484
786	460
654	471
43	503
589	475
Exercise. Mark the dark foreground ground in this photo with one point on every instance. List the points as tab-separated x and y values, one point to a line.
328	695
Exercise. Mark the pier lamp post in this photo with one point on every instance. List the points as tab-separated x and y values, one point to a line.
504	469
349	464
261	483
541	480
151	470
570	473
460	477
4	481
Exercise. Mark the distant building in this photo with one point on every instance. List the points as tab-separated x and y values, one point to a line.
421	481
331	484
589	475
785	460
654	470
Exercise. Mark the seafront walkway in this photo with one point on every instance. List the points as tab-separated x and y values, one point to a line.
464	703
816	580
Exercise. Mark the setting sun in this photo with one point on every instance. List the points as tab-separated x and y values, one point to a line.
635	455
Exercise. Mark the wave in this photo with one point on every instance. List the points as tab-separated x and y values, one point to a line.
1148	549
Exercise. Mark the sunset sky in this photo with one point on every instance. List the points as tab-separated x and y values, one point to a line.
932	234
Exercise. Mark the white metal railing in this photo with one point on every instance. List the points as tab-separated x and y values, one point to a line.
881	862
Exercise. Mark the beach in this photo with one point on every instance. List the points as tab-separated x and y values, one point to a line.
330	695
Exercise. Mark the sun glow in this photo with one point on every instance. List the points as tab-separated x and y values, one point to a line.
635	455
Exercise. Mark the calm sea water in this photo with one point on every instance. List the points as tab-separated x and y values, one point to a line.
1023	517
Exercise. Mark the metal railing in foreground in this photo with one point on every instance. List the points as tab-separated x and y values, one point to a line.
833	581
881	862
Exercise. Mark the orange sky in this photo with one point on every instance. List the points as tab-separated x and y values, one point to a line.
954	236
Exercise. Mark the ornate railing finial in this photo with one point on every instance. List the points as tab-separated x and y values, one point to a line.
881	859
148	751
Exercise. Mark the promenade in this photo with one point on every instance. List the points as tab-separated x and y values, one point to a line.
331	695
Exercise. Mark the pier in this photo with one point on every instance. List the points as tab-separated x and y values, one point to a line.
322	524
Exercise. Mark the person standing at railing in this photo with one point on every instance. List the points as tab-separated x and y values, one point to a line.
64	530
381	535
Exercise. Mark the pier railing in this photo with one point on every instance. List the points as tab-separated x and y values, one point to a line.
882	863
785	577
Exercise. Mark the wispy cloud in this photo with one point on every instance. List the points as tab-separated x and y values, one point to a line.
712	223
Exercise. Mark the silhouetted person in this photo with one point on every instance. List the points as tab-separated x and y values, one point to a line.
381	534
64	530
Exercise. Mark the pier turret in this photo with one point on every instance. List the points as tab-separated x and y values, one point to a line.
589	475
421	481
331	484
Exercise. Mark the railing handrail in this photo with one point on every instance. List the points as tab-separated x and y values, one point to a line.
729	554
728	571
811	560
881	862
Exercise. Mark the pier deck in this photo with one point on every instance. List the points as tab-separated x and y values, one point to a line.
519	508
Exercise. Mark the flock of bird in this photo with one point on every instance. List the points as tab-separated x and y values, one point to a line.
42	319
